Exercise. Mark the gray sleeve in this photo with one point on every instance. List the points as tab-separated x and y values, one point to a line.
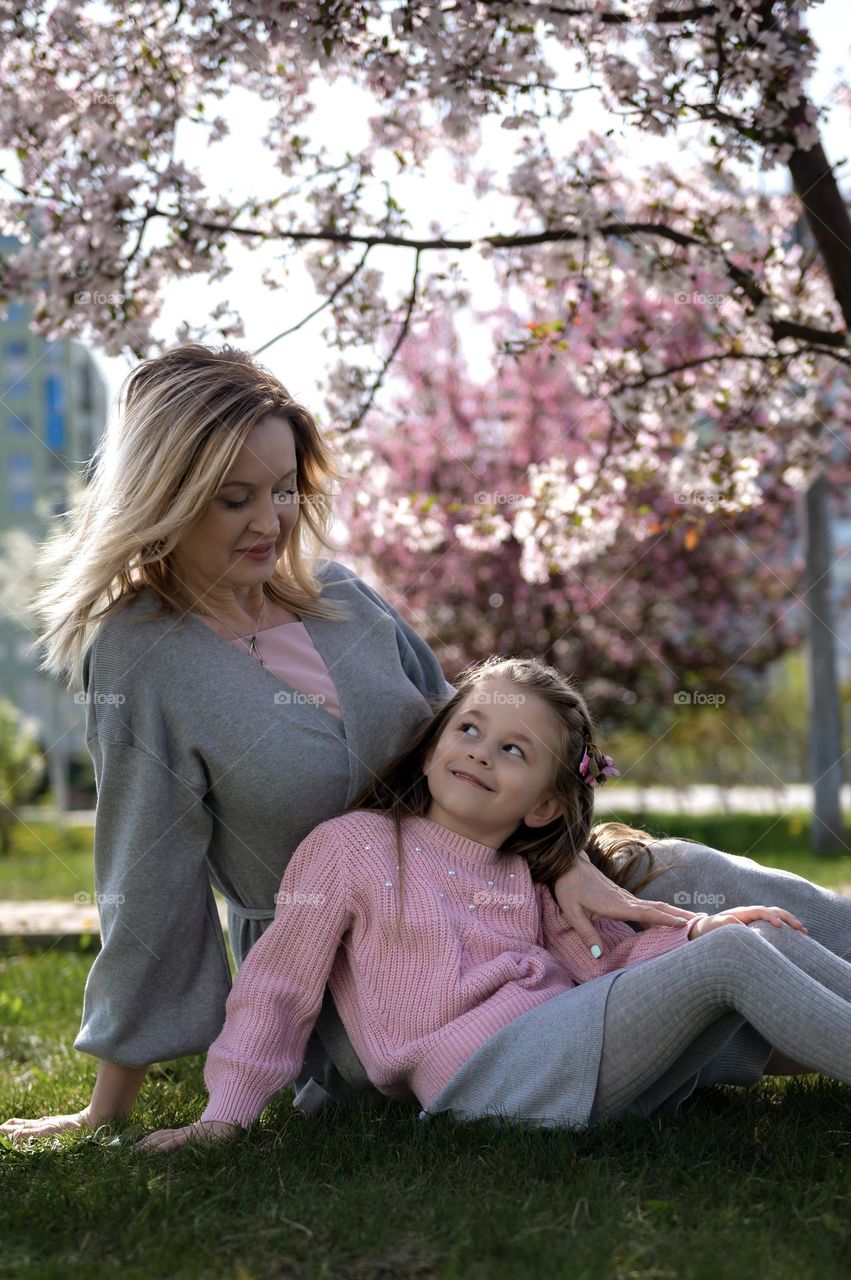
418	661
158	986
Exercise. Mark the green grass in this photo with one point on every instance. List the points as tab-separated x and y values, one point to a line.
742	1183
46	862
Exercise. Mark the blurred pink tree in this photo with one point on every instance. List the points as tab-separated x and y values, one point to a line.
438	509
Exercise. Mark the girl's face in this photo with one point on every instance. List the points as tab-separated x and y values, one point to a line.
256	506
507	740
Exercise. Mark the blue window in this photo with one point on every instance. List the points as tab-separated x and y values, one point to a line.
17	355
54	431
54	426
21	486
54	392
87	390
17	312
16	366
18	424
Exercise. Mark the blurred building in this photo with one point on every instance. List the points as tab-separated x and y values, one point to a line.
53	406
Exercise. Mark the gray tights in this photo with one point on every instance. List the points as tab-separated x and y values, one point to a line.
707	879
666	1016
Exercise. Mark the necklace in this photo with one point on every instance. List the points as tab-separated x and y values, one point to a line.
252	639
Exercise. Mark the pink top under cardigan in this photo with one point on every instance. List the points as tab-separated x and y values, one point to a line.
288	651
480	944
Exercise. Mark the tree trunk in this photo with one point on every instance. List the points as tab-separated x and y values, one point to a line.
829	225
57	751
825	719
827	218
57	768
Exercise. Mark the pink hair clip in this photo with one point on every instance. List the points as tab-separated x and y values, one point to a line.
595	768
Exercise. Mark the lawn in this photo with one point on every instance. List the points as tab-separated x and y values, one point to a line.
742	1183
47	862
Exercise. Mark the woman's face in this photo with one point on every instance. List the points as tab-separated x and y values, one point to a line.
255	507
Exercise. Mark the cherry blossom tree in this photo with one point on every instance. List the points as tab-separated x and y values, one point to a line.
690	610
110	215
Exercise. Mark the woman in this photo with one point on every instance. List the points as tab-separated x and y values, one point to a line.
240	690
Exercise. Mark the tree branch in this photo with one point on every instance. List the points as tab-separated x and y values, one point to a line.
828	218
400	337
744	279
329	301
714	357
694	14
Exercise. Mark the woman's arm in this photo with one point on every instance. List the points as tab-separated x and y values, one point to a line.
157	987
116	1089
585	894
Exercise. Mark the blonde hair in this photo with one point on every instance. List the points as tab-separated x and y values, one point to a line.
401	788
185	416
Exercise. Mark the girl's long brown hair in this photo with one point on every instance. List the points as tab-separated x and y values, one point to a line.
401	788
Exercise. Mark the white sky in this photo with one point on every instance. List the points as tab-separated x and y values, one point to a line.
300	359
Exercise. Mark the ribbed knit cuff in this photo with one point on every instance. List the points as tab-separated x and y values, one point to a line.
236	1102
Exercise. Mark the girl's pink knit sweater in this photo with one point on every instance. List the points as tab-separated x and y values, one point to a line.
479	945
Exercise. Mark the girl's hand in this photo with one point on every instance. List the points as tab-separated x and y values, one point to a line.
585	894
203	1131
20	1131
744	915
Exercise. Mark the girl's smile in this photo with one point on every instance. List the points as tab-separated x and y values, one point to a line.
465	776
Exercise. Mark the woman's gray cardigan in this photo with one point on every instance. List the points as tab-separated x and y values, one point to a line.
210	770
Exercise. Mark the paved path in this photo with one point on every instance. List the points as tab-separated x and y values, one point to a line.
708	799
39	922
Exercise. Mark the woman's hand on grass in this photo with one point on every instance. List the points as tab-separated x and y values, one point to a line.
584	894
203	1131
115	1091
745	915
20	1131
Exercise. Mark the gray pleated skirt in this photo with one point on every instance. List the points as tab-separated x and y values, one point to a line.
541	1070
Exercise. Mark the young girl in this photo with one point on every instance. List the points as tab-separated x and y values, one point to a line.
457	978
